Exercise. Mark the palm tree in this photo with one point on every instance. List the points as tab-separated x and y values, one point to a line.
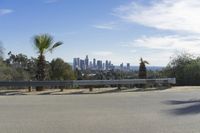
142	69
43	43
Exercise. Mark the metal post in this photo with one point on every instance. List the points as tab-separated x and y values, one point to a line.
29	87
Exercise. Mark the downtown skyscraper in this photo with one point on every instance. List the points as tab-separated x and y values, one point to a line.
86	64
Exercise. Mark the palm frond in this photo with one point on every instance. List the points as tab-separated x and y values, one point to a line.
43	42
57	44
47	41
146	62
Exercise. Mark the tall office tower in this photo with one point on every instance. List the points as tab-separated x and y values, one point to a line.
94	63
99	65
82	65
76	63
107	65
128	67
87	62
90	66
121	66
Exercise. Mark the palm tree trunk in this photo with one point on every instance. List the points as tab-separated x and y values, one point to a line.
40	75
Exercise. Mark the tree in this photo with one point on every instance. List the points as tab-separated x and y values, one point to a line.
18	61
1	52
43	43
7	72
185	68
21	63
142	69
61	70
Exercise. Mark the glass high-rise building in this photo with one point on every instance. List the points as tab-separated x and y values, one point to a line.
107	65
82	65
86	62
128	66
76	63
99	65
94	63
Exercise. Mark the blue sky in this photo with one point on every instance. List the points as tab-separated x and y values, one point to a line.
117	30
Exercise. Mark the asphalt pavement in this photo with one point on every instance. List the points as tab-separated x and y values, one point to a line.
128	112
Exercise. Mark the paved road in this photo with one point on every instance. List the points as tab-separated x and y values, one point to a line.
136	112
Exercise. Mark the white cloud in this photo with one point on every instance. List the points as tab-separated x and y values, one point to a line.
106	26
159	49
185	43
5	11
158	58
175	15
180	16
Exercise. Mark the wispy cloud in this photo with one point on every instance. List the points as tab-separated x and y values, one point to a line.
185	43
106	26
157	58
159	49
5	11
180	16
175	15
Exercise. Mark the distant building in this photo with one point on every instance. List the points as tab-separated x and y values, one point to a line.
128	67
112	67
90	66
76	63
122	66
86	62
82	65
107	65
103	68
94	63
99	65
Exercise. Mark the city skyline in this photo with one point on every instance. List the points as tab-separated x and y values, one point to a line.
96	64
117	30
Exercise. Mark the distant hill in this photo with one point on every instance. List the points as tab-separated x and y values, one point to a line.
153	68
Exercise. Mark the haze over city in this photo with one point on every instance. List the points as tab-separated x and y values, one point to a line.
116	30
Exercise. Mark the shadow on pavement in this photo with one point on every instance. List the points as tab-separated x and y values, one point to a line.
11	93
101	92
175	102
118	91
47	93
189	107
80	92
146	89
